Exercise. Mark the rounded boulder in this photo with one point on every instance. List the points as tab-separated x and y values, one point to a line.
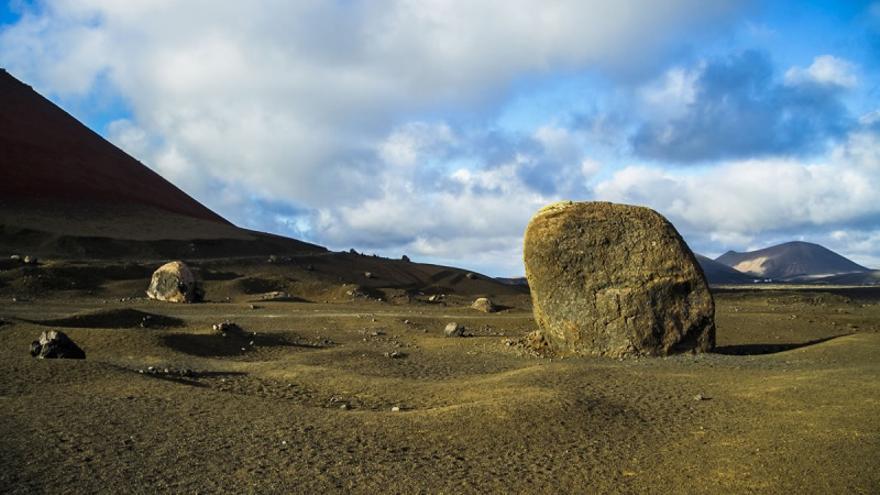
175	282
615	280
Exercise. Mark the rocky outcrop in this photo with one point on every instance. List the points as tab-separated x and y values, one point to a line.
175	282
56	345
615	280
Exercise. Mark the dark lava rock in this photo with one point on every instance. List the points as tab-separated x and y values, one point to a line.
56	345
175	282
615	280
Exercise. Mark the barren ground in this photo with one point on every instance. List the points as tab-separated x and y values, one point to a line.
790	400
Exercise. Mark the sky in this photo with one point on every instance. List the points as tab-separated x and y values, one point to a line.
437	128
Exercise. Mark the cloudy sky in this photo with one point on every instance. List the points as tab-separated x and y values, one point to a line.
437	128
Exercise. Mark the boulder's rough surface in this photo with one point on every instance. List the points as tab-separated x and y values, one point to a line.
175	282
615	280
484	304
56	345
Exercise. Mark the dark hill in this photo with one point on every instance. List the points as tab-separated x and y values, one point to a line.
46	153
718	273
791	260
66	192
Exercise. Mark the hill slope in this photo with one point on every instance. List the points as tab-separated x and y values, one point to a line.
719	273
790	260
46	153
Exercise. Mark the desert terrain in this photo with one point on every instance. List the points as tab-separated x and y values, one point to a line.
351	386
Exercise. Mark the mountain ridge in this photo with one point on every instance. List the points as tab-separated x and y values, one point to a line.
789	261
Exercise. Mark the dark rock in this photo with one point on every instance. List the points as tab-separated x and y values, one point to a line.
615	280
405	258
471	276
226	328
56	345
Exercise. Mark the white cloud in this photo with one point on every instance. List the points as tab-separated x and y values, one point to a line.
669	97
736	202
413	141
284	98
826	70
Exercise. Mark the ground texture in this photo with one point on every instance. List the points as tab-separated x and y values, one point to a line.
340	392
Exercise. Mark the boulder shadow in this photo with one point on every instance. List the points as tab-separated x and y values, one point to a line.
113	318
192	378
759	349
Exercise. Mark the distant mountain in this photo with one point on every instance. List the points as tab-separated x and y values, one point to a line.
789	261
513	281
719	273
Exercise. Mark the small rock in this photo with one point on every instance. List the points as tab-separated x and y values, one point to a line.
395	355
700	397
395	409
275	295
471	276
368	275
484	304
454	330
344	407
56	345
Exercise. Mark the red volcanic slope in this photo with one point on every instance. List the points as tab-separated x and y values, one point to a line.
47	154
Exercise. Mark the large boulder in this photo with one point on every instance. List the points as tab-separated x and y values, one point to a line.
56	345
615	280
175	282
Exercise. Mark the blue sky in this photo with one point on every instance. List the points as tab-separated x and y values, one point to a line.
437	128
